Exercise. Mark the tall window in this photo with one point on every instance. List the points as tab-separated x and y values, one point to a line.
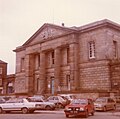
115	48
68	81
91	49
68	55
22	64
37	61
53	57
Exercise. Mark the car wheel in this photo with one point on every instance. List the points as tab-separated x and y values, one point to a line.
67	115
104	109
48	107
1	111
24	110
60	105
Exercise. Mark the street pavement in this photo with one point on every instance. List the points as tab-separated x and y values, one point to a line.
59	114
61	111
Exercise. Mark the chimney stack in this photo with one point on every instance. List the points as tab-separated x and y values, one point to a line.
63	24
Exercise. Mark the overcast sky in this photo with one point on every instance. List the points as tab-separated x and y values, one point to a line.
20	19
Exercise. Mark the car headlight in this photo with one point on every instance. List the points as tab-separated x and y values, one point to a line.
99	105
77	109
81	109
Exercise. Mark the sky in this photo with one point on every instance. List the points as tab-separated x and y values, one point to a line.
20	19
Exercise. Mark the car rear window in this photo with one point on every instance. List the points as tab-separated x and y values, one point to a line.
100	100
79	101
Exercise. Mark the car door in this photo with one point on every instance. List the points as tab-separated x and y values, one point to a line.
19	104
9	105
41	104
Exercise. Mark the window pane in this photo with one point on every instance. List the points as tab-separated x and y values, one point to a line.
91	49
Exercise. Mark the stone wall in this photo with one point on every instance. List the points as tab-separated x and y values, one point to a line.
95	76
115	75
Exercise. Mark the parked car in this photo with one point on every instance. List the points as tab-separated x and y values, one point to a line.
16	104
66	99
42	104
39	97
117	99
57	100
104	104
79	107
70	97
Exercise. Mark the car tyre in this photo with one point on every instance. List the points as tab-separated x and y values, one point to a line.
67	115
24	110
48	107
104	109
59	105
1	111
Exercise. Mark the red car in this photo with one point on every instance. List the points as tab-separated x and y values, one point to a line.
79	107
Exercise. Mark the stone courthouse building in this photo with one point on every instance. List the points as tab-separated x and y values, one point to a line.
58	59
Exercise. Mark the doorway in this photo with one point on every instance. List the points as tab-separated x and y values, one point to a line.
52	85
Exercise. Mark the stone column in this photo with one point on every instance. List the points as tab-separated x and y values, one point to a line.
74	71
42	78
29	72
57	70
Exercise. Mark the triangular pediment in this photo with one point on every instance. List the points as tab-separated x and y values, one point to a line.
47	31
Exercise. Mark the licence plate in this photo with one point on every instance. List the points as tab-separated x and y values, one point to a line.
74	112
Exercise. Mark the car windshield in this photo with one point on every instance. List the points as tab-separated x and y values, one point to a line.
79	101
100	100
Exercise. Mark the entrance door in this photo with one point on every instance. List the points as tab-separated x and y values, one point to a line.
52	85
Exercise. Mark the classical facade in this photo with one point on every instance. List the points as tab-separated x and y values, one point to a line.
3	74
59	59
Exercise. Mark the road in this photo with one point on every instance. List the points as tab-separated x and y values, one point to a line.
58	115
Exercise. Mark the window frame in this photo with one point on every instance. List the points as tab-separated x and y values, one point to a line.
22	64
91	50
53	57
115	49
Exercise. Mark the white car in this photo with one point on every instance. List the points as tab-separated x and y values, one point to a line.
70	97
42	104
17	104
104	103
57	100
